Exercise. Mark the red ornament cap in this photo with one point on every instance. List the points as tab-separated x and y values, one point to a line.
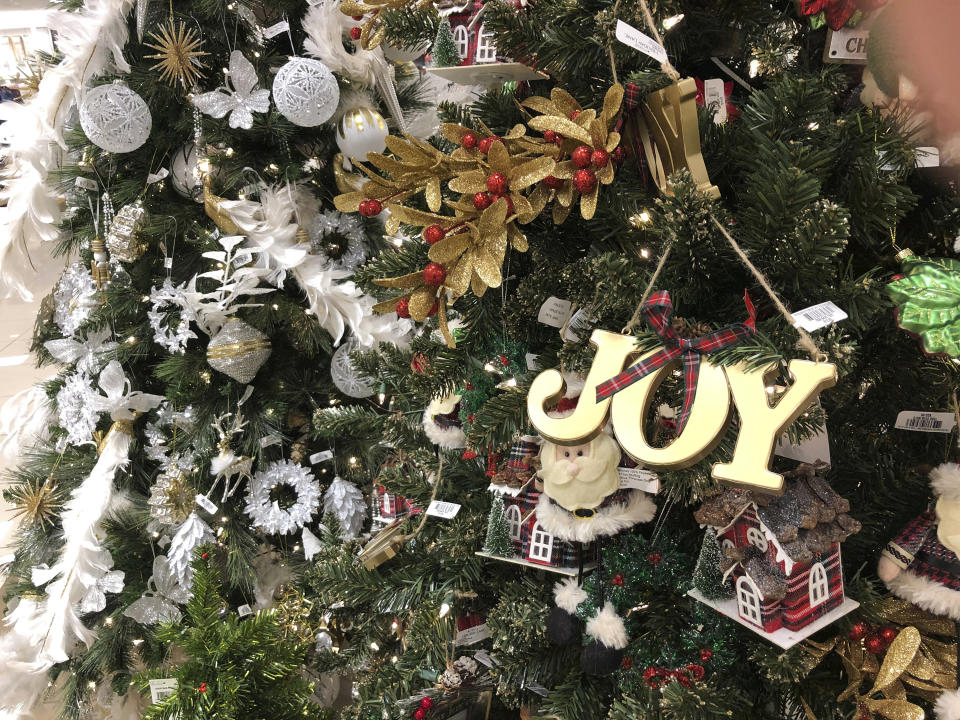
469	141
482	200
581	156
434	234
371	208
497	183
434	274
584	181
355	33
403	308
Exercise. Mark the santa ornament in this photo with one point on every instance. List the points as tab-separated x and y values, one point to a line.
603	654
441	423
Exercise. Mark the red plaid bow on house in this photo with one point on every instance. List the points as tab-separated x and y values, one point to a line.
658	310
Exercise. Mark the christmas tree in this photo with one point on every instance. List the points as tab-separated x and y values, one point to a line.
498	534
708	573
539	217
444	52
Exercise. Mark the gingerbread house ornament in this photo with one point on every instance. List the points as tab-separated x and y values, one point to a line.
782	555
479	61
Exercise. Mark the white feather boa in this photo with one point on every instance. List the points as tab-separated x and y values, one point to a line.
271	228
88	39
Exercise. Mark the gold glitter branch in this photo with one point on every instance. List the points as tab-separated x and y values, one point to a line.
178	54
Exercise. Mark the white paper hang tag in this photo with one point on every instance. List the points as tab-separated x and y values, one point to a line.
919	421
157	176
276	29
813	449
7	559
927	157
206	503
576	324
538	689
268	440
629	35
168	263
319	457
162	688
531	361
472	635
86	184
484	658
639	479
818	316
441	509
554	312
244	610
715	98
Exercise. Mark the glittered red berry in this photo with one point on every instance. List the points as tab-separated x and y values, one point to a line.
504	360
509	203
371	208
649	673
202	688
468	455
553	182
550	136
626	663
874	644
355	33
888	634
468	385
581	156
419	714
426	703
600	158
705	655
403	308
654	558
470	418
617	155
357	18
858	631
482	200
434	274
696	671
497	183
617	580
584	181
487	142
433	309
434	234
469	141
575	114
204	556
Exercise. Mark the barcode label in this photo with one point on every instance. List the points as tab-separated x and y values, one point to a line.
714	98
445	510
321	456
206	503
576	324
162	688
85	183
939	422
818	316
554	312
244	610
276	29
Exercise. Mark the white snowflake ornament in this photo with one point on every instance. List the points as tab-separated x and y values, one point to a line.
239	96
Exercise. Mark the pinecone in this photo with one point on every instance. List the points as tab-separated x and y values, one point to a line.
298	452
688	329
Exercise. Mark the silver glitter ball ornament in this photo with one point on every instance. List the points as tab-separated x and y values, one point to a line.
306	92
238	350
345	376
123	237
115	118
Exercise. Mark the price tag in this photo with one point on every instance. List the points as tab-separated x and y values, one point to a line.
244	610
243	257
86	184
319	457
268	440
714	97
818	316
629	35
639	479
445	510
531	361
168	263
813	449
162	688
919	421
538	689
472	635
276	29
576	324
554	312
157	176
927	157
847	45
7	559
484	658
206	503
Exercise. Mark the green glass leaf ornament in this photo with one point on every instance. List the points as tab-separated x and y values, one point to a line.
928	302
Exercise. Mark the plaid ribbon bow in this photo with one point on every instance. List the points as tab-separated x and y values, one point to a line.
631	97
658	311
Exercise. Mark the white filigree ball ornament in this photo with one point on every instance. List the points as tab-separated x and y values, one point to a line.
345	376
185	172
74	298
115	118
361	131
306	92
266	511
338	238
169	332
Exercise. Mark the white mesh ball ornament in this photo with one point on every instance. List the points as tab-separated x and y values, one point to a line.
344	375
115	118
361	131
306	92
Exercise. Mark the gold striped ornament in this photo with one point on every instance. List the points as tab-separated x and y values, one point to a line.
238	350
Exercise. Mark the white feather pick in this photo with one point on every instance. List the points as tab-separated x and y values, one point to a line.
271	228
193	533
88	39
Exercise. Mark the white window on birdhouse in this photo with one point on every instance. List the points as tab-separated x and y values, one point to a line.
513	522
748	601
486	50
819	585
541	544
755	537
461	39
727	544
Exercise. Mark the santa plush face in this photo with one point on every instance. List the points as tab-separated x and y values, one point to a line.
580	476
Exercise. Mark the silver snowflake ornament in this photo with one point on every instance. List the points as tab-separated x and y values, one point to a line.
239	96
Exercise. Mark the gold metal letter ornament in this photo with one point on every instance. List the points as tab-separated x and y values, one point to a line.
671	136
761	425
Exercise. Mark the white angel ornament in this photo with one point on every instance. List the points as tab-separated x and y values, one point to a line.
238	97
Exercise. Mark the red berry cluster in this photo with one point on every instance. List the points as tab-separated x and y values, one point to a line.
875	639
355	33
617	580
421	712
470	141
371	208
657	677
202	688
552	137
654	558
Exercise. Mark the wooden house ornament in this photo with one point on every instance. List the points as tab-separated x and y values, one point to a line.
782	555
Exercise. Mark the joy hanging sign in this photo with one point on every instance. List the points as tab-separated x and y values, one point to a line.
626	396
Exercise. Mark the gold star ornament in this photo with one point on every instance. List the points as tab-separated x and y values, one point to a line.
178	54
36	503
